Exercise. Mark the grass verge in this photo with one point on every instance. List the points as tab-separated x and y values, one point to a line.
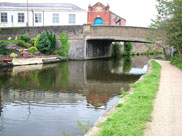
177	60
130	118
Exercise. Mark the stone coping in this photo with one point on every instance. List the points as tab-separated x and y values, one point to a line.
33	61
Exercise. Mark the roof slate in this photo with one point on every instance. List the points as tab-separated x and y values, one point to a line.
41	5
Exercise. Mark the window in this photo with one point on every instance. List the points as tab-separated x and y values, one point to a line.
38	17
55	18
72	18
21	17
4	17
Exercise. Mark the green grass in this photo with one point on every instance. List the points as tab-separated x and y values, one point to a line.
177	60
130	117
9	41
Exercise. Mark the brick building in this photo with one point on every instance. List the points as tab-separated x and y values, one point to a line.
99	14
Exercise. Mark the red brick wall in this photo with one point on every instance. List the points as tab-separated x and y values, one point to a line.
93	14
108	17
113	20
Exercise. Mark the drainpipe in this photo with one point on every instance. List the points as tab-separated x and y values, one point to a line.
43	17
32	17
27	14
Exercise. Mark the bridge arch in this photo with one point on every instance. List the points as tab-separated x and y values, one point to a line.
98	21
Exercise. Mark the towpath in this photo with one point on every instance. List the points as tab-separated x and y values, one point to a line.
167	112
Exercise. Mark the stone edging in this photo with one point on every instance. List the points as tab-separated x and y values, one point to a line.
97	127
33	61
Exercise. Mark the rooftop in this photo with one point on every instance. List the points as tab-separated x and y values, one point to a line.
50	6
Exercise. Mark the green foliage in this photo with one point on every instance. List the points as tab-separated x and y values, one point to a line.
46	42
168	23
13	55
177	60
32	41
22	44
83	127
116	50
9	41
64	47
123	92
32	49
56	52
25	38
65	134
128	46
36	41
131	117
3	49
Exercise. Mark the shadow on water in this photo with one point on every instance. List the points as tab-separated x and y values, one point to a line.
57	95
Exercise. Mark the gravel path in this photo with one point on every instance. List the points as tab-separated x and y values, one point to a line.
167	112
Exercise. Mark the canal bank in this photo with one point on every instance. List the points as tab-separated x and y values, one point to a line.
30	61
129	115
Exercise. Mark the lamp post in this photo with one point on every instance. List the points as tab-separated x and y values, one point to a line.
27	14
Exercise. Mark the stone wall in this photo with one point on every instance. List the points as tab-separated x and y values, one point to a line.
74	31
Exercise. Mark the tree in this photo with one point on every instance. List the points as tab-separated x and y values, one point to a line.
46	42
64	47
168	25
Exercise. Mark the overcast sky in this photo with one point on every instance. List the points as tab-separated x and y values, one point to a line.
136	12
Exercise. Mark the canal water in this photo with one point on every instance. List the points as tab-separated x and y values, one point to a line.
48	100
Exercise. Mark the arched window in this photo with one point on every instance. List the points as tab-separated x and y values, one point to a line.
98	21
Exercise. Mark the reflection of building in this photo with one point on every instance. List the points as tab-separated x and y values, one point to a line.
99	14
40	14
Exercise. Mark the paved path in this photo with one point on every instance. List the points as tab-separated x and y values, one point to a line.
167	113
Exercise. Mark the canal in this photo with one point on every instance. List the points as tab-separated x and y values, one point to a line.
47	100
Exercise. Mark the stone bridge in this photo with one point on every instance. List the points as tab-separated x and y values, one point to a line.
86	42
98	39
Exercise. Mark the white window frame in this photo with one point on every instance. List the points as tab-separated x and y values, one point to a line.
72	18
21	17
55	18
38	17
4	18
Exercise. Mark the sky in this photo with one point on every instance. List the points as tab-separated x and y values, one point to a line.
136	12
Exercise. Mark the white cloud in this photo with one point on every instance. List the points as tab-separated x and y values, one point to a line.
136	12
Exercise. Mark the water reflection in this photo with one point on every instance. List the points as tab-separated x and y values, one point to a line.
35	97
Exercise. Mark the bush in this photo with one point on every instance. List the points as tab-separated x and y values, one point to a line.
25	38
64	47
116	50
46	42
56	52
32	41
128	46
3	48
13	55
23	44
32	49
36	40
177	60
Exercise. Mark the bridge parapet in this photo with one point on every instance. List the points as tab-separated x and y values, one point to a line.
117	33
